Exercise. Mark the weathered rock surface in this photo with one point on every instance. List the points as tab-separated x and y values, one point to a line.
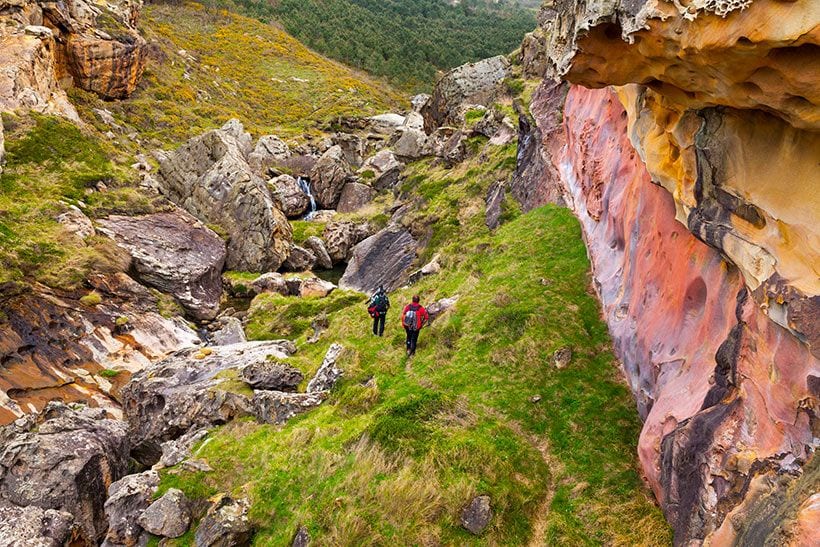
293	201
187	391
210	178
494	200
299	260
277	407
270	151
169	516
329	176
34	526
75	222
174	253
63	361
354	196
272	375
393	249
328	373
225	525
316	245
474	83
301	538
341	237
476	516
178	450
127	499
270	282
412	144
64	460
313	287
385	167
229	331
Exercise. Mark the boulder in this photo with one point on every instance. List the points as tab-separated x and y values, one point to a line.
270	151
414	120
301	538
354	147
314	287
341	237
174	253
476	83
454	149
272	375
178	450
110	68
225	525
127	499
299	260
292	199
412	144
393	249
385	169
476	516
315	245
329	176
277	407
33	526
75	221
270	282
439	307
229	332
505	134
64	459
495	198
211	179
534	55
431	268
328	373
385	124
419	102
489	124
354	196
190	389
169	516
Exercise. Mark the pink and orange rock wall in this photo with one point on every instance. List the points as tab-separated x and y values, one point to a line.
689	148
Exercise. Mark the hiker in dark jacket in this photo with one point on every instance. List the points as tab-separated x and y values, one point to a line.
413	319
377	307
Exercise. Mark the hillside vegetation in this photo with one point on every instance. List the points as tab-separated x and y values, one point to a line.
404	443
407	41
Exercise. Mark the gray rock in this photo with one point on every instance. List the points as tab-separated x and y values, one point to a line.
439	307
75	222
353	147
385	124
270	282
225	525
174	253
299	260
414	120
431	268
386	169
354	196
474	83
177	450
293	201
229	332
313	287
64	459
562	357
412	144
454	149
209	177
489	124
315	245
127	499
169	516
33	526
393	249
190	389
277	407
328	374
341	237
505	134
477	515
270	151
534	55
420	101
495	198
329	176
272	375
301	538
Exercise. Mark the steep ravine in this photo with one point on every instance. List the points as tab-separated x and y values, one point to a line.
697	192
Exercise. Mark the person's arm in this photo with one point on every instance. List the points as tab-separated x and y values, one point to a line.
425	317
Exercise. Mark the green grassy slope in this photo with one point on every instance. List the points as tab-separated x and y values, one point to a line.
209	65
402	444
406	41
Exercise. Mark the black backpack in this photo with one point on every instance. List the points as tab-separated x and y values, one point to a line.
380	302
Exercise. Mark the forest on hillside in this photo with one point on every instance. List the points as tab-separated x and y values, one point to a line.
405	41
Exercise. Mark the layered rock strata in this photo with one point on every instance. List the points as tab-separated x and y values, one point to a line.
695	182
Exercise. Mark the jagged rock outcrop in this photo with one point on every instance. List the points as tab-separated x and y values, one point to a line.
127	499
385	168
392	248
272	375
705	262
63	362
299	260
210	178
45	44
226	523
270	151
317	247
474	83
341	237
31	525
169	516
293	201
329	176
174	253
64	460
354	196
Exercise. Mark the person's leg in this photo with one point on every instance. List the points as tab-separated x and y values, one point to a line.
382	319
409	334
376	325
414	340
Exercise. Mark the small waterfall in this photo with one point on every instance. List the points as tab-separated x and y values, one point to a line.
304	185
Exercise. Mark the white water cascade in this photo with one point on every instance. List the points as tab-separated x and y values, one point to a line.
304	185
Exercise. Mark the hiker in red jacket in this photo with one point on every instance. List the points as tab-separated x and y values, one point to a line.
413	319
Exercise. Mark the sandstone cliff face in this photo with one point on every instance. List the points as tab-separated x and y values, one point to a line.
46	46
695	178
